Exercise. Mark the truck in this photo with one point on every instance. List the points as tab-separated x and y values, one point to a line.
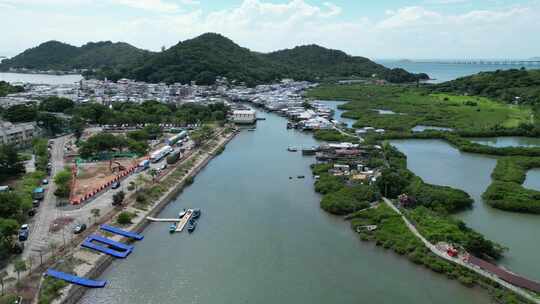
38	193
160	153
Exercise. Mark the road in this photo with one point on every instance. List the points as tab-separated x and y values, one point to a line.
445	256
39	235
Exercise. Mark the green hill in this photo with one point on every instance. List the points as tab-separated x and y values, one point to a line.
202	59
501	85
55	55
314	61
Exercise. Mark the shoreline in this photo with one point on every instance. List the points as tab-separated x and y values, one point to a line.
95	264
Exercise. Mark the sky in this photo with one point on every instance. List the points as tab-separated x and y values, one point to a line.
396	29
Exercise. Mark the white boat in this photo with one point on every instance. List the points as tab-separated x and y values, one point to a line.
292	149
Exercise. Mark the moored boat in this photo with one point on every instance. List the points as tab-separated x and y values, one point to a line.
172	228
192	224
309	151
196	213
292	149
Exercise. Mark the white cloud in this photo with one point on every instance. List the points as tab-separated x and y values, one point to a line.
151	5
406	32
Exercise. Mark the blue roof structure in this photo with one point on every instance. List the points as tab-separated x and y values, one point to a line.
75	279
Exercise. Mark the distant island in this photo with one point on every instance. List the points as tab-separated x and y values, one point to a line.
201	59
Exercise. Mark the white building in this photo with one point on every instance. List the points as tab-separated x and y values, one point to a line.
244	116
19	135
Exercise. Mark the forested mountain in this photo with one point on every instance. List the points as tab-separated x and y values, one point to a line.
315	61
202	59
501	85
55	55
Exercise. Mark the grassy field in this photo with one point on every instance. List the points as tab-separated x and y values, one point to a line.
416	106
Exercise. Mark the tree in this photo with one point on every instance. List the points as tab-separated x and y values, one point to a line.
62	180
21	113
11	163
56	104
3	275
95	213
124	218
20	266
118	198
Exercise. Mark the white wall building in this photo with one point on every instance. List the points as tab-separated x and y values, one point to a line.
244	116
19	135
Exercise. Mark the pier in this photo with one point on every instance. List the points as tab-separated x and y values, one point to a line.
181	222
184	220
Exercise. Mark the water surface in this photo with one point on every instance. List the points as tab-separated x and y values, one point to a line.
262	238
532	181
334	104
507	141
40	78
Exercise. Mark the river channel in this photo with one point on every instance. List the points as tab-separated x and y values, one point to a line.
439	163
262	238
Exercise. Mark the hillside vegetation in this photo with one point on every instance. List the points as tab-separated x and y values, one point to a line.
6	88
201	59
501	85
55	55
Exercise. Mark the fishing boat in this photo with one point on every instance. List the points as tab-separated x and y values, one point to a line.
292	149
252	129
181	214
192	224
172	228
300	176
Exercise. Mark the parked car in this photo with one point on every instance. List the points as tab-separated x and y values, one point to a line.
24	232
162	167
79	228
36	203
32	212
115	185
45	182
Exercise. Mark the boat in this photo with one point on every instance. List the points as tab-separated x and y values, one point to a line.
196	213
252	129
172	228
181	214
289	125
191	225
292	149
301	176
309	151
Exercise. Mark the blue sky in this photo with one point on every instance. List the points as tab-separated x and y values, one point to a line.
418	29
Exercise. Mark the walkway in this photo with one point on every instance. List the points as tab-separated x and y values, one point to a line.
443	255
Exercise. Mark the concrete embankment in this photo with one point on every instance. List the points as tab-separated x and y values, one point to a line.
94	264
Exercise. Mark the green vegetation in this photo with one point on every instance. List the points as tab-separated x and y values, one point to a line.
125	217
349	199
202	59
62	180
39	145
107	142
418	106
506	191
6	88
397	179
501	85
56	104
54	55
11	163
437	228
333	135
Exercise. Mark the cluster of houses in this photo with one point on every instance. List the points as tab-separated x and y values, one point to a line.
349	161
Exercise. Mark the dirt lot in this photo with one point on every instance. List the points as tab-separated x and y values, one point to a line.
92	175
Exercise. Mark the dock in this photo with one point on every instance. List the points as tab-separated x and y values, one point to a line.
170	220
184	220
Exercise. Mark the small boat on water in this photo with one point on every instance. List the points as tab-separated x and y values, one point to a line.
252	129
196	213
289	125
181	214
292	149
192	224
172	228
300	176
